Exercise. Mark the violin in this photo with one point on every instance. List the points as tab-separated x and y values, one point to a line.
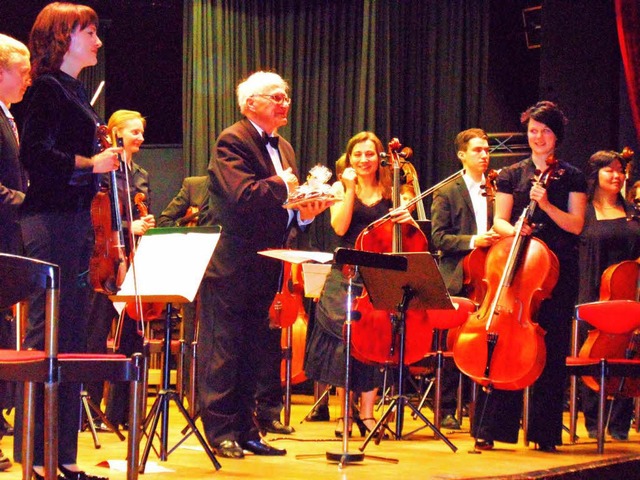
373	337
190	218
108	263
500	346
137	310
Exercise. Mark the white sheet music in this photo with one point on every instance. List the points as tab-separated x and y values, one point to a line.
169	266
297	256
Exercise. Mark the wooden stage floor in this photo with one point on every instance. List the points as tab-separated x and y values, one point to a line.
421	456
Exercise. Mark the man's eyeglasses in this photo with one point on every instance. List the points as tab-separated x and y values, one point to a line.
278	98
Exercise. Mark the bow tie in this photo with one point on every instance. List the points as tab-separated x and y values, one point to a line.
273	141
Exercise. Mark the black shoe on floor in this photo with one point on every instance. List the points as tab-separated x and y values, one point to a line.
6	430
450	422
482	444
260	447
319	414
229	449
78	475
275	426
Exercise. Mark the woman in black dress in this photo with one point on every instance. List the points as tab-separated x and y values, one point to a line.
59	149
365	190
557	221
611	235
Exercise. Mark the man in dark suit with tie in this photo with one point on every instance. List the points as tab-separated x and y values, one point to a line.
252	171
15	77
461	221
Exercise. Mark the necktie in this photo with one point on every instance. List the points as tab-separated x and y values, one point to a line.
12	122
273	141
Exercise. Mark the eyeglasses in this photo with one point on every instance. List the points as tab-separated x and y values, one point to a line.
277	98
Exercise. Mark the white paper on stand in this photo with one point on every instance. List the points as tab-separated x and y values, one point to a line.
297	256
169	266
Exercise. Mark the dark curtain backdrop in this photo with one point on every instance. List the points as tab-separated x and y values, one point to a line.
628	20
411	69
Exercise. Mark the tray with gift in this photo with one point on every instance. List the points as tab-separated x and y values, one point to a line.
315	189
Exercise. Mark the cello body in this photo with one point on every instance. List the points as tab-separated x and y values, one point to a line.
372	338
516	358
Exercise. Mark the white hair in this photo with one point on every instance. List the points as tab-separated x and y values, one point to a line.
258	83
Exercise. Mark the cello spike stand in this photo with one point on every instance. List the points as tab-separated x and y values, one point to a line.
422	284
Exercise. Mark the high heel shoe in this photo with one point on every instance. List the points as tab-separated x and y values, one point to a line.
77	475
365	429
340	427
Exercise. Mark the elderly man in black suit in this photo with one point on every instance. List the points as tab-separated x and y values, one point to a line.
252	172
15	77
461	220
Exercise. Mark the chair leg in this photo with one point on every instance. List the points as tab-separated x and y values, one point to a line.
28	428
51	430
602	397
136	394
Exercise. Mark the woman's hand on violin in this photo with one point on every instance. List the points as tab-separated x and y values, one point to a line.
107	160
143	224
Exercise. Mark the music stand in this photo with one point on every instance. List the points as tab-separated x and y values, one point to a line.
169	266
422	286
357	258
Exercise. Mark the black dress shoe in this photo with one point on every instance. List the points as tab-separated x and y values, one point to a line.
547	448
275	426
36	476
78	475
229	449
6	430
260	447
319	414
482	444
450	422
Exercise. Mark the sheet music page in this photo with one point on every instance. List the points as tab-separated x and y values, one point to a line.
169	267
297	256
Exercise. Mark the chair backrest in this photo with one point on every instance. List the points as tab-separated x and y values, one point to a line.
20	277
612	316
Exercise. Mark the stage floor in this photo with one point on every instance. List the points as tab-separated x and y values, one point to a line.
420	456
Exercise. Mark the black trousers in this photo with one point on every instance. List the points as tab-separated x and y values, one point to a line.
65	239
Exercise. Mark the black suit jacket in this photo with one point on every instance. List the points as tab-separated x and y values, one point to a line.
13	184
453	223
194	193
247	196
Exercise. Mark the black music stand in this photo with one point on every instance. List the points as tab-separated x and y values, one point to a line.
390	264
422	286
169	266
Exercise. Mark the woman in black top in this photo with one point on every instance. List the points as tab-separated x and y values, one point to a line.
611	235
557	221
365	190
59	150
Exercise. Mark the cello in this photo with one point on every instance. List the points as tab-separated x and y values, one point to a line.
501	346
620	281
108	263
373	338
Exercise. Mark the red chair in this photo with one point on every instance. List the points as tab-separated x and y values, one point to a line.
611	317
19	277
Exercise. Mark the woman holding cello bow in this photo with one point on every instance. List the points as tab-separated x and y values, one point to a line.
129	126
365	190
59	150
608	238
557	221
